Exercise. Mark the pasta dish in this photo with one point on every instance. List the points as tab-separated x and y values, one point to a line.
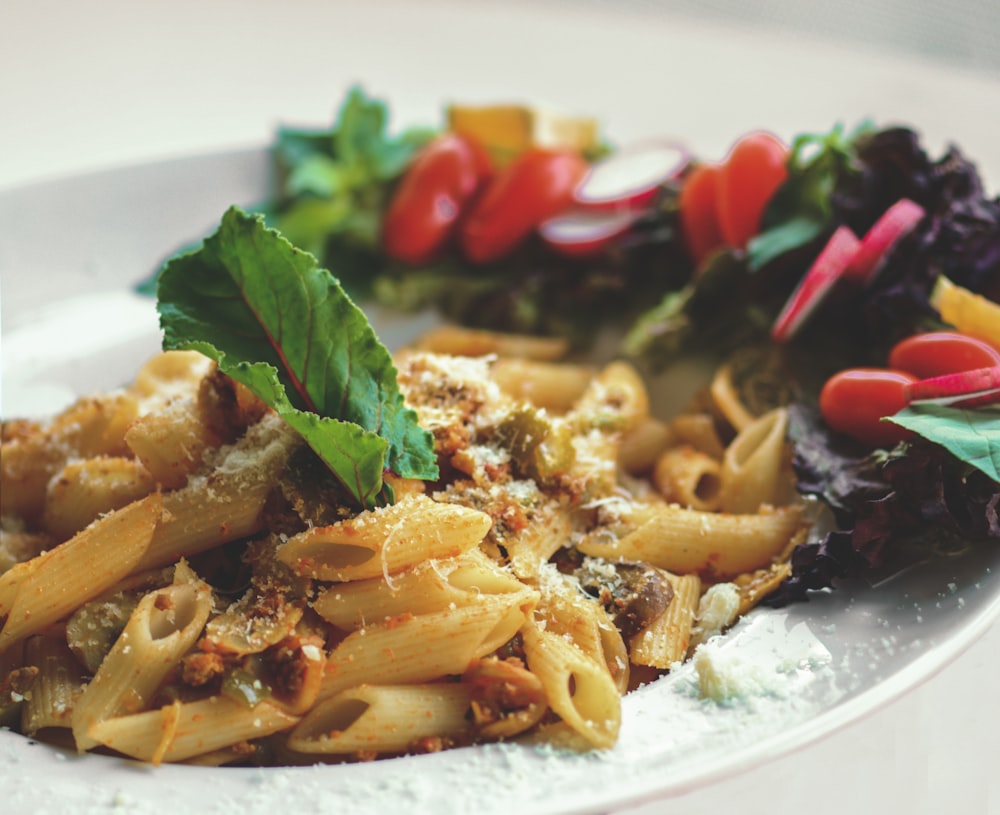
194	589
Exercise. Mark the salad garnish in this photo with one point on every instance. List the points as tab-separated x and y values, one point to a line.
706	261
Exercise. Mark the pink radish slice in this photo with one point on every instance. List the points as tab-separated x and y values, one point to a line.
827	269
629	178
893	225
975	388
584	233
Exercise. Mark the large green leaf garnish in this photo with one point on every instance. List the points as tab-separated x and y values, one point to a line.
275	321
972	436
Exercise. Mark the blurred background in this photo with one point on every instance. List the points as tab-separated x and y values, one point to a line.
956	32
96	84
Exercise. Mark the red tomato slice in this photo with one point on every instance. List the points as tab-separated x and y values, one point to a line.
432	197
854	401
536	186
698	212
751	173
942	352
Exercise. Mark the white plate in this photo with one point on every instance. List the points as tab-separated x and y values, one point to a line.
71	325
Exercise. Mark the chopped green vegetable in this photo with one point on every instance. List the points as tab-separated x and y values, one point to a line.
243	687
335	183
972	436
275	321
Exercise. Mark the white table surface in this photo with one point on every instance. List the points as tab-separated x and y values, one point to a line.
86	86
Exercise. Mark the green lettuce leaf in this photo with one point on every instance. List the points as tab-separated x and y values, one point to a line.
972	436
802	208
285	328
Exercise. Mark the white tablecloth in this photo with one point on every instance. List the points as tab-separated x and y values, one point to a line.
90	85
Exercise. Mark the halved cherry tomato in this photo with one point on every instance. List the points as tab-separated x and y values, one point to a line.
537	185
942	352
697	209
751	173
431	198
854	401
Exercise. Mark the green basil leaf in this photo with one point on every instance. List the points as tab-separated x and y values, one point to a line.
275	321
972	436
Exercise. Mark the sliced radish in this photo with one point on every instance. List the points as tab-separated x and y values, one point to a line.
630	177
893	225
584	233
827	269
975	388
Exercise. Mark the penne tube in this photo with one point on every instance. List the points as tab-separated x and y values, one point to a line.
35	452
181	731
386	540
716	545
384	719
80	569
471	342
566	610
170	374
728	401
754	463
686	476
554	387
755	586
172	442
86	489
578	689
435	585
161	629
204	515
698	430
423	648
616	400
643	445
550	528
666	640
54	689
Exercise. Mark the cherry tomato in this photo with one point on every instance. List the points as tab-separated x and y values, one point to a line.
431	198
697	211
854	401
535	186
751	173
942	352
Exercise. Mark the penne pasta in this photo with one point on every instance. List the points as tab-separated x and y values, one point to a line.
555	387
171	443
180	545
161	629
566	610
689	541
55	688
754	464
422	648
384	541
698	430
180	731
727	400
433	586
686	476
577	687
83	567
384	719
86	489
643	445
469	342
